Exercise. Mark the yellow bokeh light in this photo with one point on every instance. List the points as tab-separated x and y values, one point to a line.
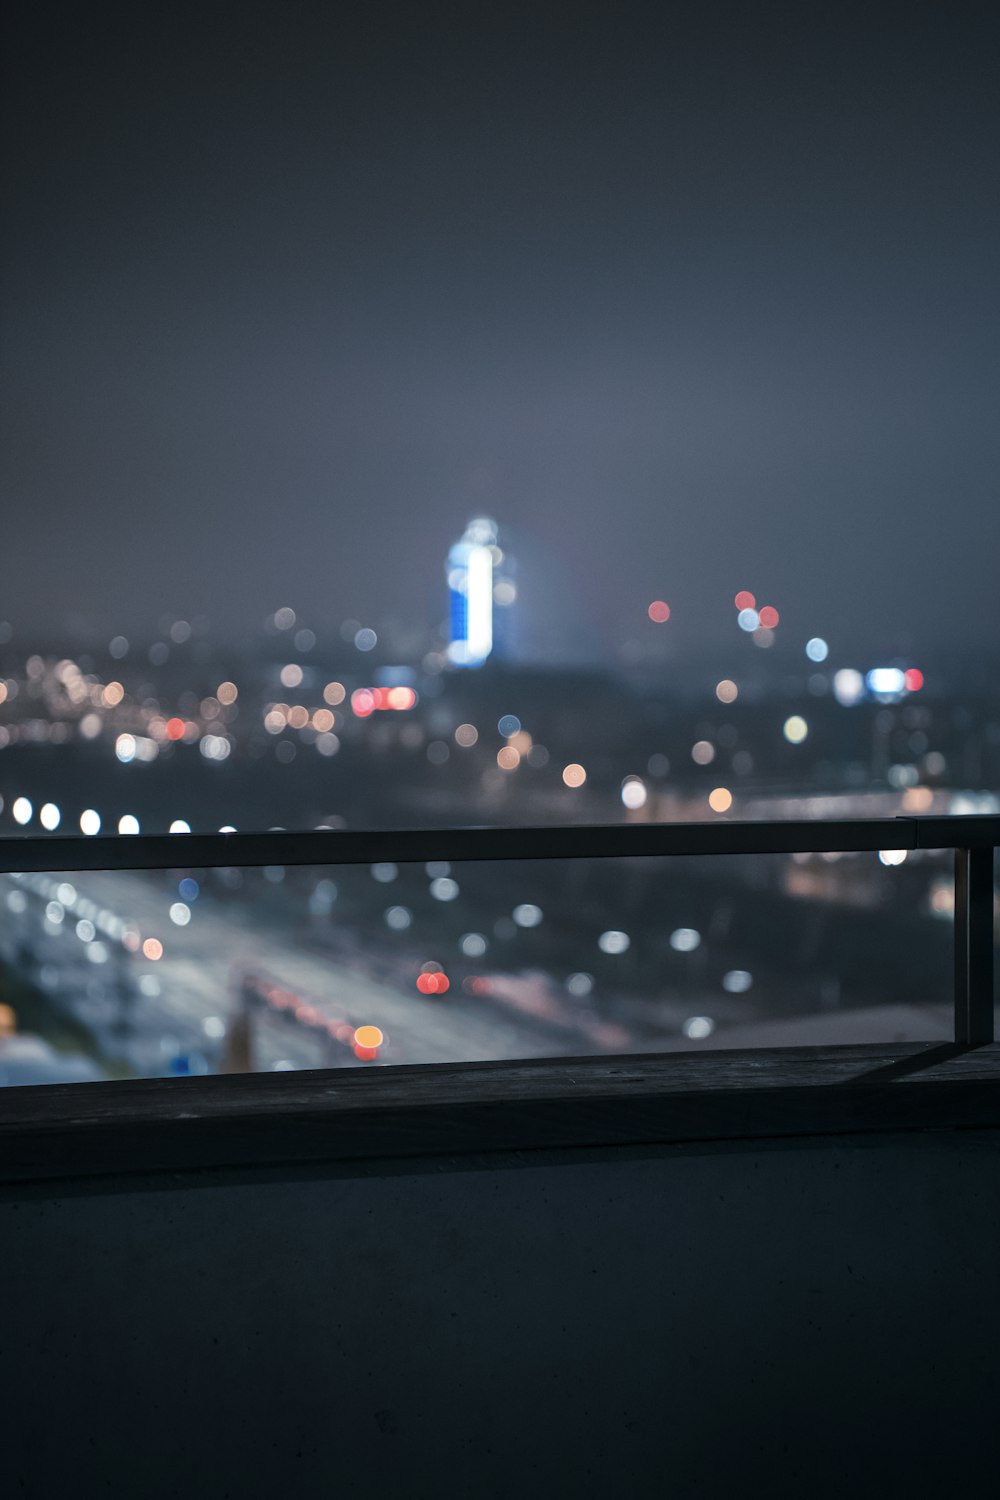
368	1036
720	800
574	775
334	693
726	691
795	729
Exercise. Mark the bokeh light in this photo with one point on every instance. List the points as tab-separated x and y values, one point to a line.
574	775
685	939
369	1036
697	1028
659	611
634	793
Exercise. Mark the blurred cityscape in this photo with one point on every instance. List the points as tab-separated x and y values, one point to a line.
376	725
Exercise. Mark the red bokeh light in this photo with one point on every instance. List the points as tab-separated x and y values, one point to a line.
659	612
745	600
433	984
175	729
363	702
769	617
365	1054
914	679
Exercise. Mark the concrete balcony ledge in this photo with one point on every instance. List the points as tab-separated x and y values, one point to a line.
289	1120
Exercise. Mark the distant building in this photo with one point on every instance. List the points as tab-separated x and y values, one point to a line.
476	586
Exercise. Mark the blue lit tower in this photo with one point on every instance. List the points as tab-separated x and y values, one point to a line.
470	593
475	586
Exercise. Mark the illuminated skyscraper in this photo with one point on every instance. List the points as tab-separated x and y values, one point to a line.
470	592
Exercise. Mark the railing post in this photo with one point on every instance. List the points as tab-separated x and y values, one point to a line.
974	946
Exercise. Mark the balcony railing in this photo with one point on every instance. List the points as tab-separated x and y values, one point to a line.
973	840
308	1121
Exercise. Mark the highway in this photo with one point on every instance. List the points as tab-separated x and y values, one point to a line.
72	933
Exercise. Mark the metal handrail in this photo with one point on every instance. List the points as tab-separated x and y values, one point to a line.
973	838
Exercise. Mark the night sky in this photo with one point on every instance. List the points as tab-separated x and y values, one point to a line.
695	297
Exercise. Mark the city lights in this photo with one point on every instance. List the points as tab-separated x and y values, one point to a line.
737	981
848	687
685	939
697	1028
633	793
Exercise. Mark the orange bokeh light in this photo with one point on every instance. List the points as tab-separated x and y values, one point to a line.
152	949
368	1036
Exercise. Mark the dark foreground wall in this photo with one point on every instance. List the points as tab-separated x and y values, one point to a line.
819	1318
